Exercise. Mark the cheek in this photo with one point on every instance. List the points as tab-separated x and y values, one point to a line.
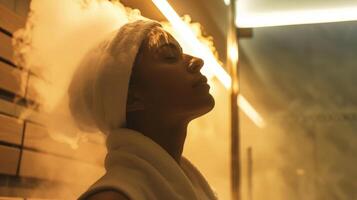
168	87
175	95
172	90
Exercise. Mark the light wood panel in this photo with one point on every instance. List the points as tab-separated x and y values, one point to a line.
10	129
6	47
38	137
45	166
9	20
9	159
12	79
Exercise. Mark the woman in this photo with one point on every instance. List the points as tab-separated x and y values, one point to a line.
141	90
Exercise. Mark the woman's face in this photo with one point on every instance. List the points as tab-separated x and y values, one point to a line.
167	81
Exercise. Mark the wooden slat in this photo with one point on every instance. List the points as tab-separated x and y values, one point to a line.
45	166
12	79
9	158
11	108
11	198
21	112
9	4
9	21
6	47
10	129
22	8
37	137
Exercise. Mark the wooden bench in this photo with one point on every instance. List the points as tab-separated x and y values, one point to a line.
27	149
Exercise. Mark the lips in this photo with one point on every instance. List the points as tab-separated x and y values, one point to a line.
202	81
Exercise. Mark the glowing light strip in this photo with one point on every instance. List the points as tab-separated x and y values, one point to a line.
191	40
293	17
227	2
205	53
248	108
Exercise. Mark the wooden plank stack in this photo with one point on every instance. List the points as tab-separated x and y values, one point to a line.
27	150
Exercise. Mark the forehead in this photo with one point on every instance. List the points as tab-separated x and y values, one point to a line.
158	37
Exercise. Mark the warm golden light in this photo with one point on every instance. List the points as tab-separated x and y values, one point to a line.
249	110
212	67
233	53
227	2
246	18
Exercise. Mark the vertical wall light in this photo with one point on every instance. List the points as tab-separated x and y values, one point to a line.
232	64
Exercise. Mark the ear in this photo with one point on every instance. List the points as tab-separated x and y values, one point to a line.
134	101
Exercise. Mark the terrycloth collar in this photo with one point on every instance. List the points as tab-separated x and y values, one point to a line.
154	174
129	140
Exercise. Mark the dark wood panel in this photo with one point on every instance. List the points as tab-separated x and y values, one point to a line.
9	21
12	79
49	167
11	129
9	158
37	137
6	47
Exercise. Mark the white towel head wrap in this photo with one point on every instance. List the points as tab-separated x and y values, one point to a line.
98	91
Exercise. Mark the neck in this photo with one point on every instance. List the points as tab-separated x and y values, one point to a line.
169	134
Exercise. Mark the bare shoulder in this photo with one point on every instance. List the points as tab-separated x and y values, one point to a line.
108	195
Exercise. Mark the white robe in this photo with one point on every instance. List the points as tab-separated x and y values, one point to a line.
143	170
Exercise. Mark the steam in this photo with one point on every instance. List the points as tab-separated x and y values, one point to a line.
56	37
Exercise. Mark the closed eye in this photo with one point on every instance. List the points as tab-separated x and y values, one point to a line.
170	52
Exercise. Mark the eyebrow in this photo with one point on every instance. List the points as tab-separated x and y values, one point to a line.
170	44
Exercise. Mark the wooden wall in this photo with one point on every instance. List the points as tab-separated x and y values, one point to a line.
29	156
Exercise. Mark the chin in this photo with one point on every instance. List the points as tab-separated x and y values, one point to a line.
210	103
204	107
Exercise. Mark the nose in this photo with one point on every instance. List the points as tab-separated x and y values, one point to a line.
195	65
